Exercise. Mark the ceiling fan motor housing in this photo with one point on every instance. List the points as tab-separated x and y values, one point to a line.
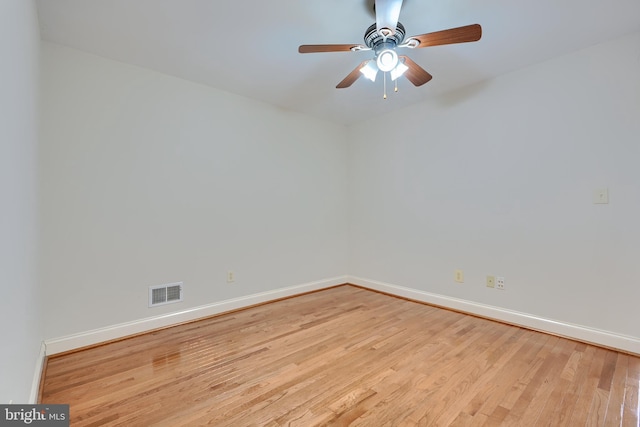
378	42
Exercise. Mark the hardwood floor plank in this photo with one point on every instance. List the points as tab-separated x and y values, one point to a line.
606	376
526	373
545	396
485	402
615	405
345	356
631	411
533	398
587	393
564	397
468	381
598	409
497	417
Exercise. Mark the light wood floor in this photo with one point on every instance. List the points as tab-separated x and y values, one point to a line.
345	356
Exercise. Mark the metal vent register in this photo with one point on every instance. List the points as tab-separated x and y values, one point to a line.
165	294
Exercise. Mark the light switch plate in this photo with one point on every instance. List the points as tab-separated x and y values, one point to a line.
601	196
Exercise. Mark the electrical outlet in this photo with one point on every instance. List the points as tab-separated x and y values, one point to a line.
500	283
458	276
231	277
491	281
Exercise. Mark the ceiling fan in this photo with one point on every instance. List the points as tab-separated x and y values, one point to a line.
384	37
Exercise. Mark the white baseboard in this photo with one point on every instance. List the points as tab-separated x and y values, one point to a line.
96	336
37	374
581	333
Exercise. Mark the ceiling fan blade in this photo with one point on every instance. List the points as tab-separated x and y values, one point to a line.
468	33
315	48
415	74
352	76
387	14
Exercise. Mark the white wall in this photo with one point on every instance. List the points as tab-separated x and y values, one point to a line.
148	179
19	313
498	178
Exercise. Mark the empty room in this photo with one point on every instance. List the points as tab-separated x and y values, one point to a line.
367	213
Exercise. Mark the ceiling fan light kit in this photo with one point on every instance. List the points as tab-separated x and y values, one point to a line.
387	35
370	70
398	71
387	60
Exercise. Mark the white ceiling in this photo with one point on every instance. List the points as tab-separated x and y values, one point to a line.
250	47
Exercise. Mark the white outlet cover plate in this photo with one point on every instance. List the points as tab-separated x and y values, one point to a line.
491	281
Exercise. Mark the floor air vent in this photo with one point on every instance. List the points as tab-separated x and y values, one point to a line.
165	294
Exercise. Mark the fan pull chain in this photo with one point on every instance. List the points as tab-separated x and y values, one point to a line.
384	75
396	88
